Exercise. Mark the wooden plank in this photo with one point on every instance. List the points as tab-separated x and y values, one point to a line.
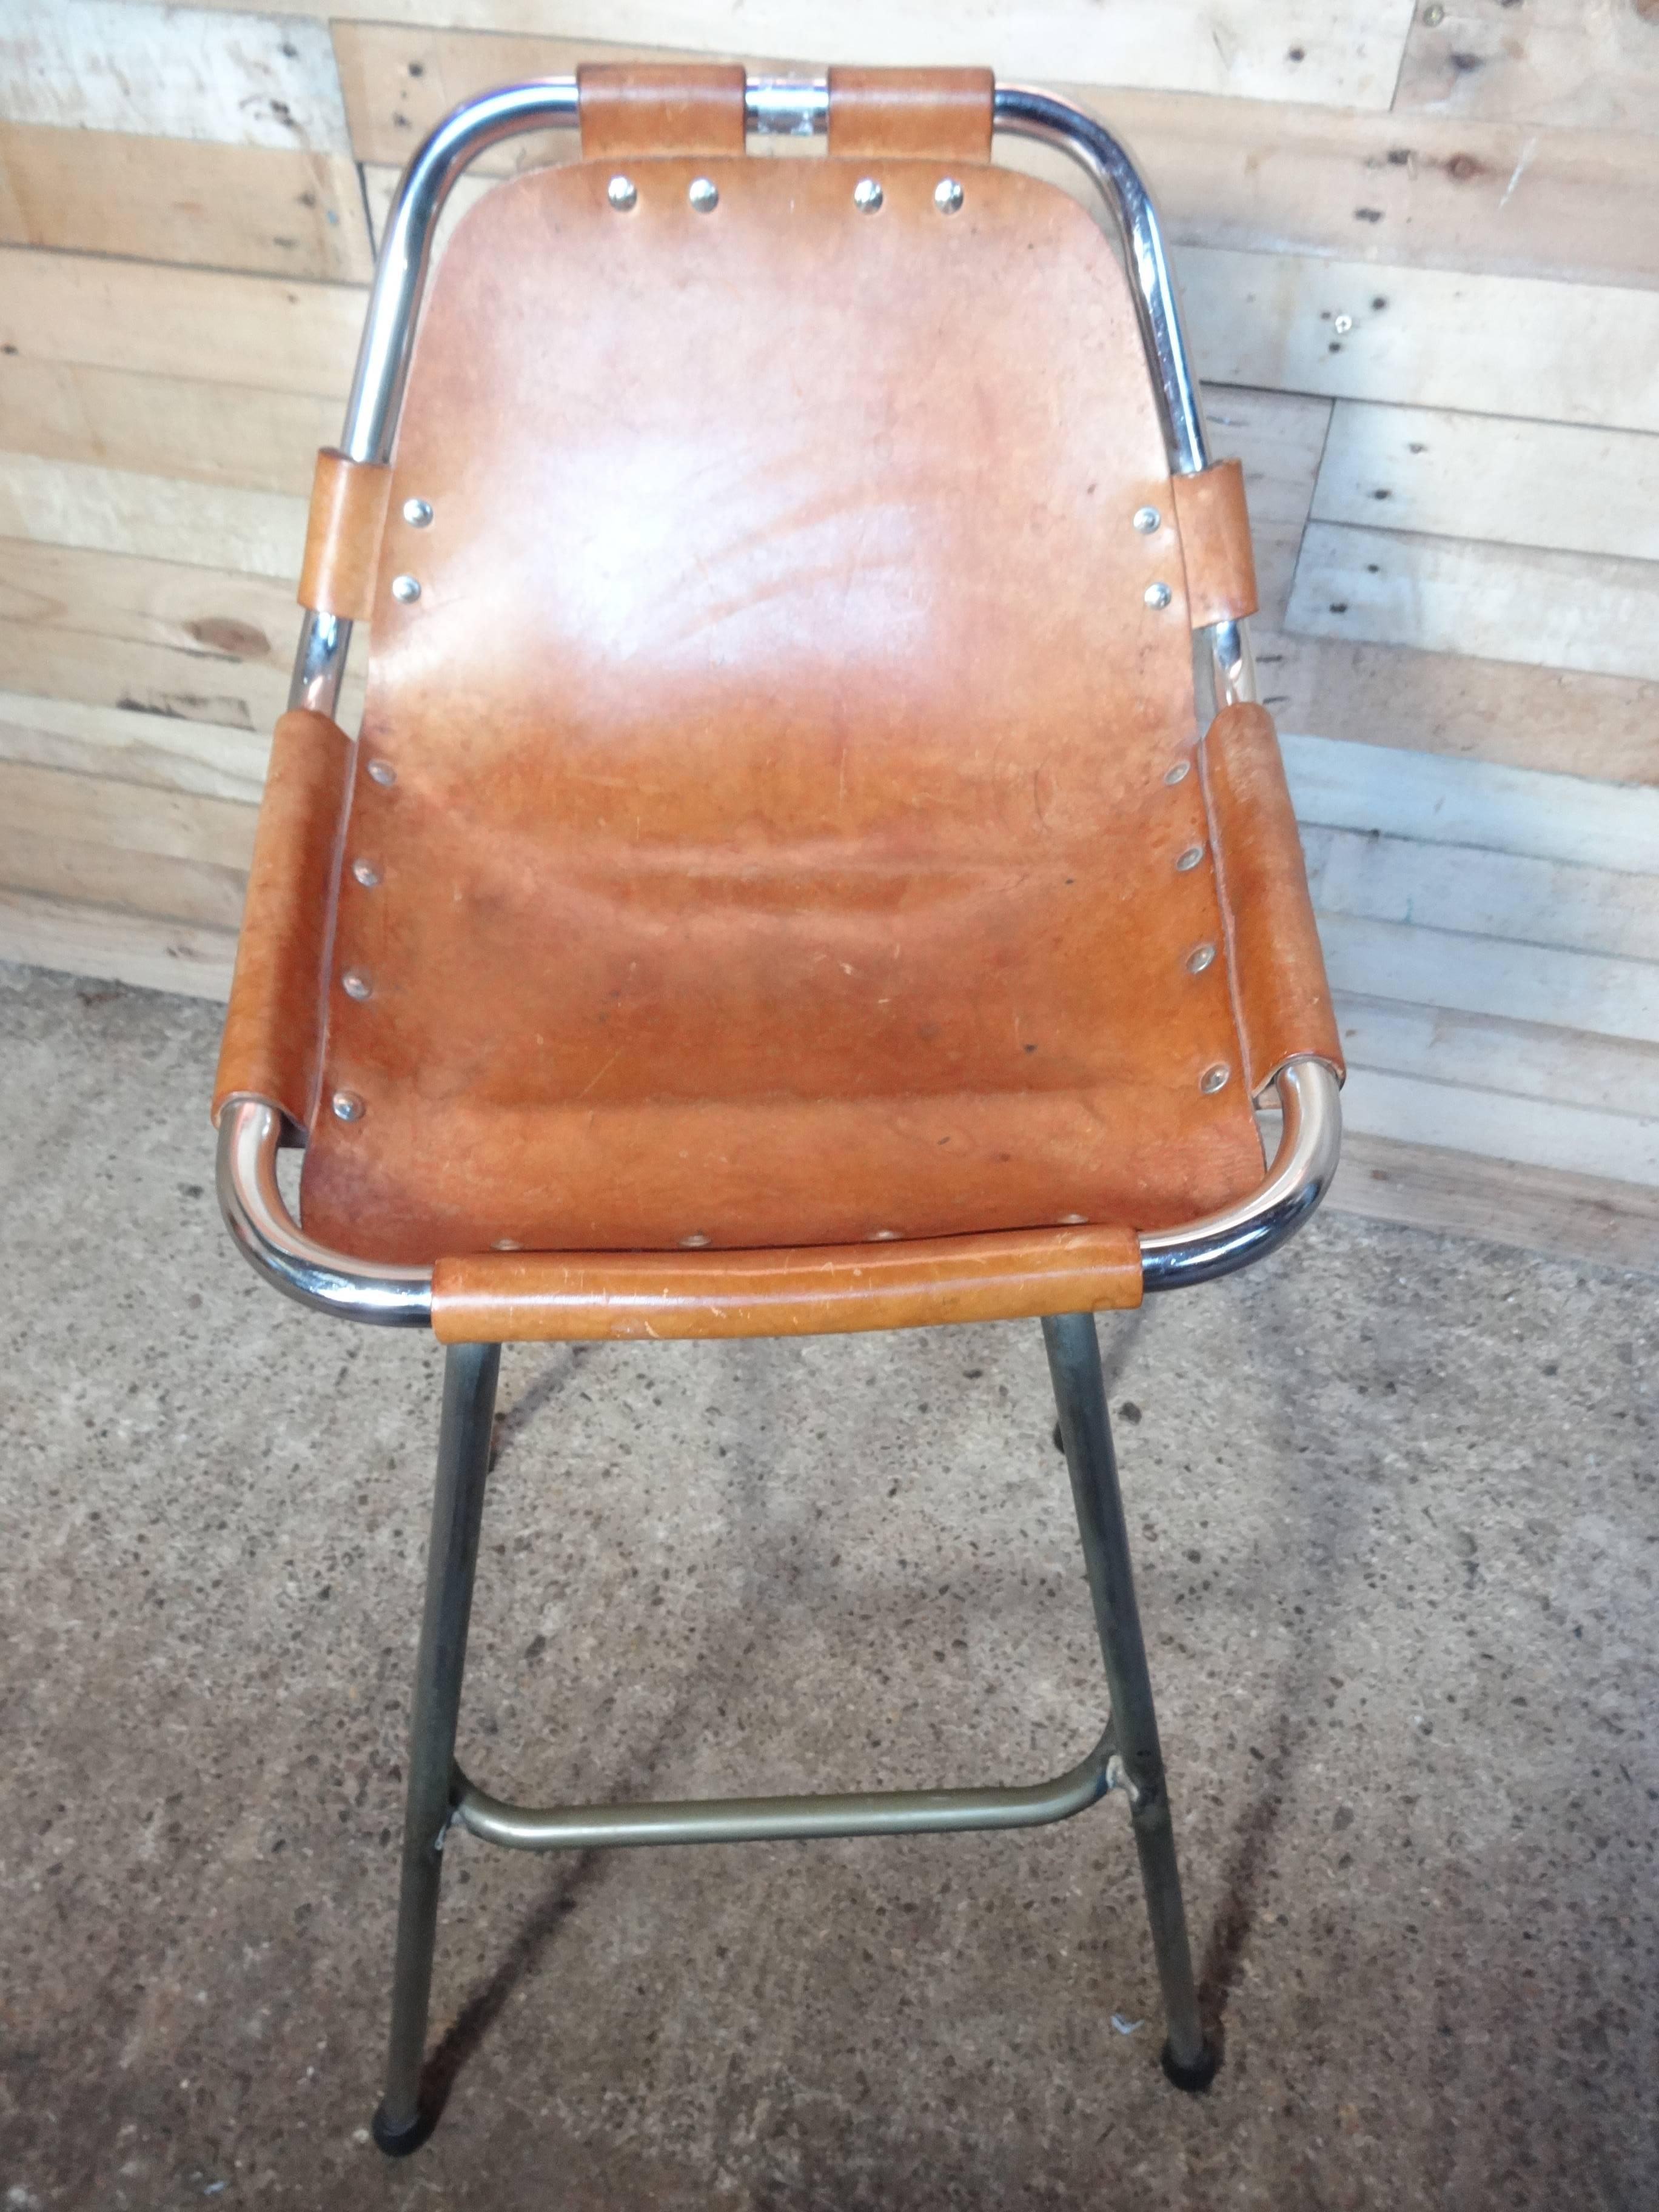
1425	337
163	426
1562	62
1448	595
209	75
156	636
123	845
1572	1217
286	212
1274	176
258	533
1605	727
1482	1051
1554	485
157	319
77	940
1343	52
1486	976
161	751
1531	1132
1483	894
1339	785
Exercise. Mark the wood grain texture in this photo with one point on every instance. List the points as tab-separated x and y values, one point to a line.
1605	727
155	319
1482	893
74	503
233	434
161	751
1484	1052
1534	1133
104	944
1557	486
214	76
1506	602
1586	64
1496	807
1604	1223
1343	52
128	846
1425	337
275	209
1264	176
160	637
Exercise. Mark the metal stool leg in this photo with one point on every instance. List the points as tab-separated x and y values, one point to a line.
469	1373
1080	1395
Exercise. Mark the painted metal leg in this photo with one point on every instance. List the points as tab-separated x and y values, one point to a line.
469	1373
1085	1430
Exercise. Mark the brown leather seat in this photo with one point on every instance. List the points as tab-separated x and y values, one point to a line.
779	819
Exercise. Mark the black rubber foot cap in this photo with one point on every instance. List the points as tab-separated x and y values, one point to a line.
1196	2077
398	2143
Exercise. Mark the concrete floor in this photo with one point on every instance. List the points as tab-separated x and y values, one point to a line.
1395	1503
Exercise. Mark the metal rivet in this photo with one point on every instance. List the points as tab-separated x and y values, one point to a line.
382	771
1190	858
947	196
1147	518
867	195
1213	1078
622	193
1177	774
505	1244
355	984
1201	958
367	873
1342	324
1072	1220
405	589
348	1106
883	1236
417	513
693	1244
1434	15
704	195
1159	595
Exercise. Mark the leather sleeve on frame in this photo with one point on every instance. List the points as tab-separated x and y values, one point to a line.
272	1041
1281	998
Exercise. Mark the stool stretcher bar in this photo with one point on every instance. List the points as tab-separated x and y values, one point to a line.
791	1820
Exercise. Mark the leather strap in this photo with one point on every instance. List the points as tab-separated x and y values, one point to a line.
660	107
939	115
343	535
561	1297
1281	1000
1215	543
273	1029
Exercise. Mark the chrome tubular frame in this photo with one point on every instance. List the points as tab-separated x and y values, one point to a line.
252	1129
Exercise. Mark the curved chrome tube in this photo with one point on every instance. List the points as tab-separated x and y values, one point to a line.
1300	1176
266	1233
250	1131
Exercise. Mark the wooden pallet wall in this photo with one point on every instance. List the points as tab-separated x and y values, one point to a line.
1420	264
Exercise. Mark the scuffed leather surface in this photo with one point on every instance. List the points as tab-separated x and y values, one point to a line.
343	529
936	115
273	1026
545	1297
1283	1000
1215	544
628	108
781	851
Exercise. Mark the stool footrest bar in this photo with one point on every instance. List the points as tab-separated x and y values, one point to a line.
780	1820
